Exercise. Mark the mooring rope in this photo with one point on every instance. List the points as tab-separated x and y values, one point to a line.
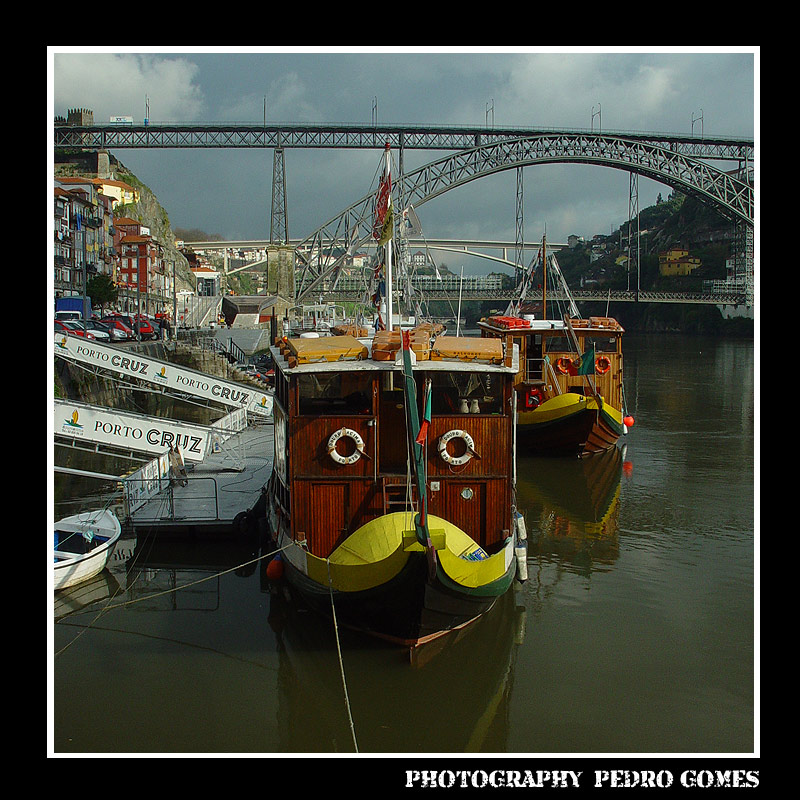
341	662
110	607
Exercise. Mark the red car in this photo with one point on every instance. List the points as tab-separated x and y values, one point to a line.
71	329
135	321
116	322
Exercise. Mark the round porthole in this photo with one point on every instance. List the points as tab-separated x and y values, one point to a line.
467	493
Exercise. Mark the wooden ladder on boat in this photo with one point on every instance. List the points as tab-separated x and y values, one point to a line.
395	495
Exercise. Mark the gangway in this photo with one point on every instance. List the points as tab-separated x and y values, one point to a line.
168	377
187	482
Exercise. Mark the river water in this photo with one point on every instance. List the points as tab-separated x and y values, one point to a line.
634	633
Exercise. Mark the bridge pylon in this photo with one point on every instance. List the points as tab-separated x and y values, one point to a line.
279	222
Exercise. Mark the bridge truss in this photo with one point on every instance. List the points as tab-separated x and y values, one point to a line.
409	137
322	254
721	297
678	161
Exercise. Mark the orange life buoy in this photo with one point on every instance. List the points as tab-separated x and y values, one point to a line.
602	365
563	365
533	397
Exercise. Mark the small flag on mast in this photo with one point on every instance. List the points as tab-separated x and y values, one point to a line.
426	419
584	365
384	217
411	224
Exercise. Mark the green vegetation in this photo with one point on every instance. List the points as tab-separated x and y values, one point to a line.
101	290
677	221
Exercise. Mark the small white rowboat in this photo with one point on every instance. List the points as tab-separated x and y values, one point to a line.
82	546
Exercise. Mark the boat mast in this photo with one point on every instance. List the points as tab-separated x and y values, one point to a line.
418	455
388	246
544	276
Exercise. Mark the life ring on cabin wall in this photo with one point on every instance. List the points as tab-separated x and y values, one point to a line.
602	365
563	365
350	434
532	398
469	447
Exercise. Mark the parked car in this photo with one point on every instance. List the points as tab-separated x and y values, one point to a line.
115	323
146	329
104	332
71	328
91	326
156	326
142	325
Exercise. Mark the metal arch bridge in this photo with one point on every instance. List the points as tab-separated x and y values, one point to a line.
678	161
330	244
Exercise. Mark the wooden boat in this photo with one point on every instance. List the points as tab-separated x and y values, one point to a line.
83	544
404	540
570	391
401	528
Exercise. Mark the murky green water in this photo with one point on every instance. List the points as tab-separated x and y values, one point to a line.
633	634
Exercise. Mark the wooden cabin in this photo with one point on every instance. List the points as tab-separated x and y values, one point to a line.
553	339
328	485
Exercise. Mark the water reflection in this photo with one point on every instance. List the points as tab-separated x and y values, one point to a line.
102	588
183	602
456	698
186	573
571	508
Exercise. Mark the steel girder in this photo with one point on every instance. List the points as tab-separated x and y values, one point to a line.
615	296
733	197
159	135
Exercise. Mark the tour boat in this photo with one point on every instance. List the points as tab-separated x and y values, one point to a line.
83	544
570	391
392	492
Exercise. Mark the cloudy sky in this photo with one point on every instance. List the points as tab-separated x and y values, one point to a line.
229	191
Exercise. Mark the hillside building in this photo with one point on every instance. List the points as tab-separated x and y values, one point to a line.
677	261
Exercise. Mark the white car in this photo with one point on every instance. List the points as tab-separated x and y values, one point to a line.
87	330
100	331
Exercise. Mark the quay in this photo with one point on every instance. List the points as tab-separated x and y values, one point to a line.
216	496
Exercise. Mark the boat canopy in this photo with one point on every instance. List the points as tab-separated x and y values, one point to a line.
454	353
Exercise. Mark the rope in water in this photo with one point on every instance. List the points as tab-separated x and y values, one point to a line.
341	663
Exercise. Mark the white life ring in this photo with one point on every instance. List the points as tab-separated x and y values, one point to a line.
336	455
468	443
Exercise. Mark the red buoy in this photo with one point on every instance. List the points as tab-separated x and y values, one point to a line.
275	569
628	421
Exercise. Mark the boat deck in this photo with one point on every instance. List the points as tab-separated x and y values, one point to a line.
215	491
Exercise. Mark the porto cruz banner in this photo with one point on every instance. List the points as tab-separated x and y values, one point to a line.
164	374
138	432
